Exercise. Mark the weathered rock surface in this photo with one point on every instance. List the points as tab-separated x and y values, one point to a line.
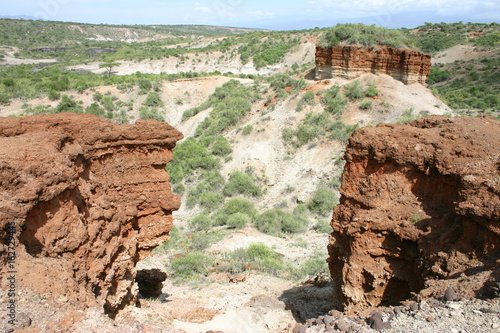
351	61
419	212
88	199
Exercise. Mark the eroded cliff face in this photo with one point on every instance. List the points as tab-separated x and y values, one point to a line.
419	212
350	61
88	199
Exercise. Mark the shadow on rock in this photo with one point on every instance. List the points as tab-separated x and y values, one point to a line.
308	301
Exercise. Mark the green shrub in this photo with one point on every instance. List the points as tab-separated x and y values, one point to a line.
144	85
247	129
341	131
238	220
211	200
232	207
153	99
201	222
371	90
276	222
333	101
54	95
153	113
257	256
221	146
323	226
190	266
366	105
354	90
315	266
241	183
323	201
68	105
96	110
9	82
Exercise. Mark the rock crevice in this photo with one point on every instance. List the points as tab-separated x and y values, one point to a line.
89	199
419	212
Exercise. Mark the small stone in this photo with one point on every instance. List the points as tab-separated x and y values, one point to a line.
454	306
335	313
299	329
487	310
414	307
430	319
450	295
23	320
343	326
454	330
495	326
379	321
329	320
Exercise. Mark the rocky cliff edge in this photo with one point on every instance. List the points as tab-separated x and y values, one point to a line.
83	200
350	61
419	212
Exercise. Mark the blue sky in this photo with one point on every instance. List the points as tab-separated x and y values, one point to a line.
279	14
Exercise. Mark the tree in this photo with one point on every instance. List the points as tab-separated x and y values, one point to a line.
109	66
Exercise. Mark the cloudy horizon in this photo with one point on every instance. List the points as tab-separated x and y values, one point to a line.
279	15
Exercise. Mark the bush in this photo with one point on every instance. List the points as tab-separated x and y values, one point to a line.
54	95
96	110
333	101
190	266
201	222
153	113
371	90
323	201
354	90
257	256
241	183
68	105
235	206
238	220
221	146
144	85
366	105
247	129
276	222
211	200
153	99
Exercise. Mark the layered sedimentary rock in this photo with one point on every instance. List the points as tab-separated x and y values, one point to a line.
419	212
84	200
350	61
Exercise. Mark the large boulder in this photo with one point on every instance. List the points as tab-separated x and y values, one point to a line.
419	212
82	201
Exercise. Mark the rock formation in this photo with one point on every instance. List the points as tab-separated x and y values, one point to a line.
350	61
85	199
419	212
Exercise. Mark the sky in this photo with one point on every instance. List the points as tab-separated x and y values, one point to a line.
267	14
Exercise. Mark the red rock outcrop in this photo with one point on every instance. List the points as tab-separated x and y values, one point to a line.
350	61
419	212
85	199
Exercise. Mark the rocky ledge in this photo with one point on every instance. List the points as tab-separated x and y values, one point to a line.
82	201
419	213
350	61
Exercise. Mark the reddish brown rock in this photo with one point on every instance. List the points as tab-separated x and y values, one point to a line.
419	212
350	61
88	199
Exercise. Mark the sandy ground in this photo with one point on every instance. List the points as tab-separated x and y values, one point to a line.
465	53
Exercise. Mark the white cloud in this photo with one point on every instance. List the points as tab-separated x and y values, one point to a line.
202	9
